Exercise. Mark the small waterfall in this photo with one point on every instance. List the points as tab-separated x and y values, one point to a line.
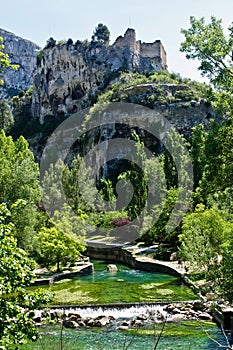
121	312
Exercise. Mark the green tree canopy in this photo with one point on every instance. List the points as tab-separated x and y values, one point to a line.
52	189
55	247
16	304
18	171
197	152
208	44
223	274
6	116
101	34
79	187
218	166
19	180
204	234
213	49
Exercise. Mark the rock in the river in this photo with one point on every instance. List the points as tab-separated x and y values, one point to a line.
112	267
126	323
198	305
71	324
90	322
205	316
178	317
73	318
74	314
169	307
137	323
102	321
142	317
123	328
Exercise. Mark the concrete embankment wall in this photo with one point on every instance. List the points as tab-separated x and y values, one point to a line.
125	256
86	269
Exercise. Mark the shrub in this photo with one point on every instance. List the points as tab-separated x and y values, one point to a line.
121	221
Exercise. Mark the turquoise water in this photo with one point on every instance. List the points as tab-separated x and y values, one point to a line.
185	336
124	286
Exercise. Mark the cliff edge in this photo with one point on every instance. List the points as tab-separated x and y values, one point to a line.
22	52
70	75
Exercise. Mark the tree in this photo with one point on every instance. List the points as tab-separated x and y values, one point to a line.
204	233
101	34
223	279
19	180
138	180
161	198
79	187
162	212
218	168
197	152
157	191
52	189
179	176
18	170
71	224
208	44
6	116
222	200
106	192
51	42
55	247
16	304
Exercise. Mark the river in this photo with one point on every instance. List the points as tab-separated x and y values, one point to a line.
125	286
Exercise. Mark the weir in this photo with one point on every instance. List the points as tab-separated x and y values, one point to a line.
148	312
115	310
117	306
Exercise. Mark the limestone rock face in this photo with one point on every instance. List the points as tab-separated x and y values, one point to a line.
22	52
69	76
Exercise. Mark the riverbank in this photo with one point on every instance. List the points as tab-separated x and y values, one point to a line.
81	269
136	319
128	255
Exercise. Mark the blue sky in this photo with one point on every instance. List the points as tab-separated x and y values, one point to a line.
37	20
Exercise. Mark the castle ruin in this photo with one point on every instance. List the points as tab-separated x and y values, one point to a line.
68	74
154	52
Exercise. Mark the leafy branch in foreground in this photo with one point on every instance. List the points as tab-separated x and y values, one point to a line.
228	346
213	49
17	305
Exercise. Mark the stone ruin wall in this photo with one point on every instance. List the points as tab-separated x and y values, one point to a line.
149	50
153	50
128	40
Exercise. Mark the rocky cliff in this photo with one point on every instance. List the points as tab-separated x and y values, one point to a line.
22	52
69	76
